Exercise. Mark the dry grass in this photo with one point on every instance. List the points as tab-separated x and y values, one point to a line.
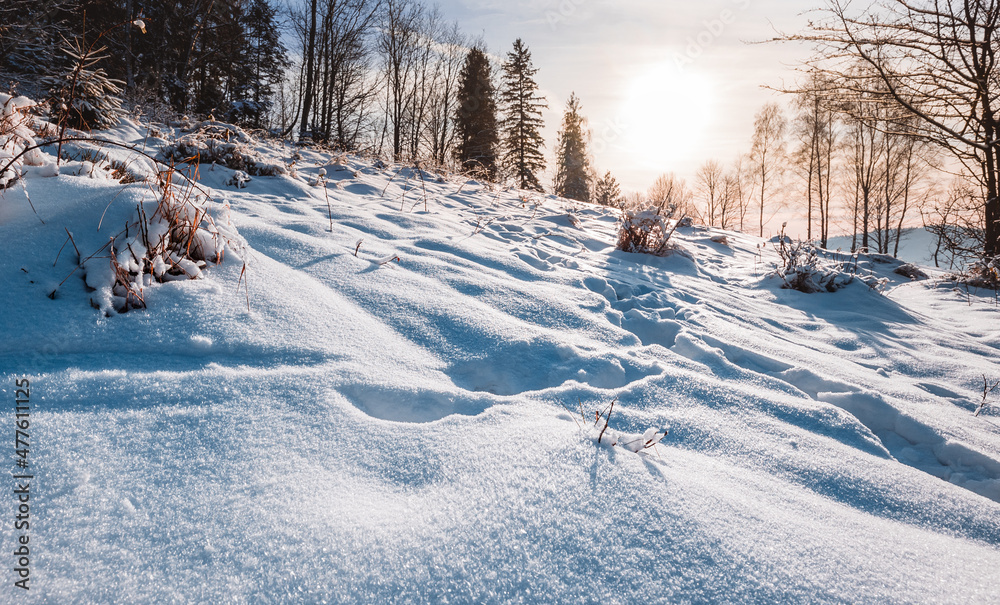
646	232
175	240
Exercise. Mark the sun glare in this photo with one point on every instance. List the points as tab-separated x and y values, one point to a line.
666	115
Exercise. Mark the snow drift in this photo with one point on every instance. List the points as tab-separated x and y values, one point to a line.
355	430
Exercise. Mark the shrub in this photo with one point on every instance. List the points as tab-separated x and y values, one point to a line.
647	231
803	269
982	274
175	240
16	137
219	143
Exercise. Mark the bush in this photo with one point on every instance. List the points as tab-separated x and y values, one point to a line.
15	137
803	269
982	274
647	231
173	240
219	143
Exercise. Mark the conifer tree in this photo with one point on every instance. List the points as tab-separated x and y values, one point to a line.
476	119
81	93
262	64
607	192
573	176
522	119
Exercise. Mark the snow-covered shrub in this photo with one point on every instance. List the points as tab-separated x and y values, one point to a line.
646	231
225	144
240	180
911	271
82	96
802	268
17	140
985	273
173	238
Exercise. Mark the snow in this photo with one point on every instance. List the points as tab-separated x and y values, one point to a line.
332	427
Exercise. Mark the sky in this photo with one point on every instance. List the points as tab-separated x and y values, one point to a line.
665	85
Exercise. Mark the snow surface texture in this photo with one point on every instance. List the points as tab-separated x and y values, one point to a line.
395	416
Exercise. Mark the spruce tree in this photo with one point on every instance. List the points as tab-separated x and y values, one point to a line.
607	192
522	119
476	119
573	176
81	93
262	64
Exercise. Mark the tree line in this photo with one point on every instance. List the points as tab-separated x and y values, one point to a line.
894	92
894	116
388	77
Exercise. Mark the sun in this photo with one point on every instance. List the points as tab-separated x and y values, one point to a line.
666	115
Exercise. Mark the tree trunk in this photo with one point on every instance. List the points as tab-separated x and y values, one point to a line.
308	91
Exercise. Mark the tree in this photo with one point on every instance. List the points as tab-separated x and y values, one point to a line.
573	176
711	183
310	72
522	119
607	192
816	130
729	201
669	195
399	33
741	181
938	60
476	119
82	95
263	61
766	153
440	127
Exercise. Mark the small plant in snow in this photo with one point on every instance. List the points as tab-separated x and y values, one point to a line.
647	231
987	390
240	180
174	238
803	269
598	431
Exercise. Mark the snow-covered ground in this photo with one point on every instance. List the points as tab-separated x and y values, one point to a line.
916	246
399	421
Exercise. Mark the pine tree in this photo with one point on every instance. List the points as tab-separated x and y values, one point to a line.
574	176
263	61
476	119
607	192
522	107
81	93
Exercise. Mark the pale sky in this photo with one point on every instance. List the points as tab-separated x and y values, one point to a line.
666	85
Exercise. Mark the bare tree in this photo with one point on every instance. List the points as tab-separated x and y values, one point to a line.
741	185
670	193
767	154
938	60
710	183
398	39
816	131
452	46
729	201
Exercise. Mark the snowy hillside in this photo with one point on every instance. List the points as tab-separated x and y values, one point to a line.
398	420
916	246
